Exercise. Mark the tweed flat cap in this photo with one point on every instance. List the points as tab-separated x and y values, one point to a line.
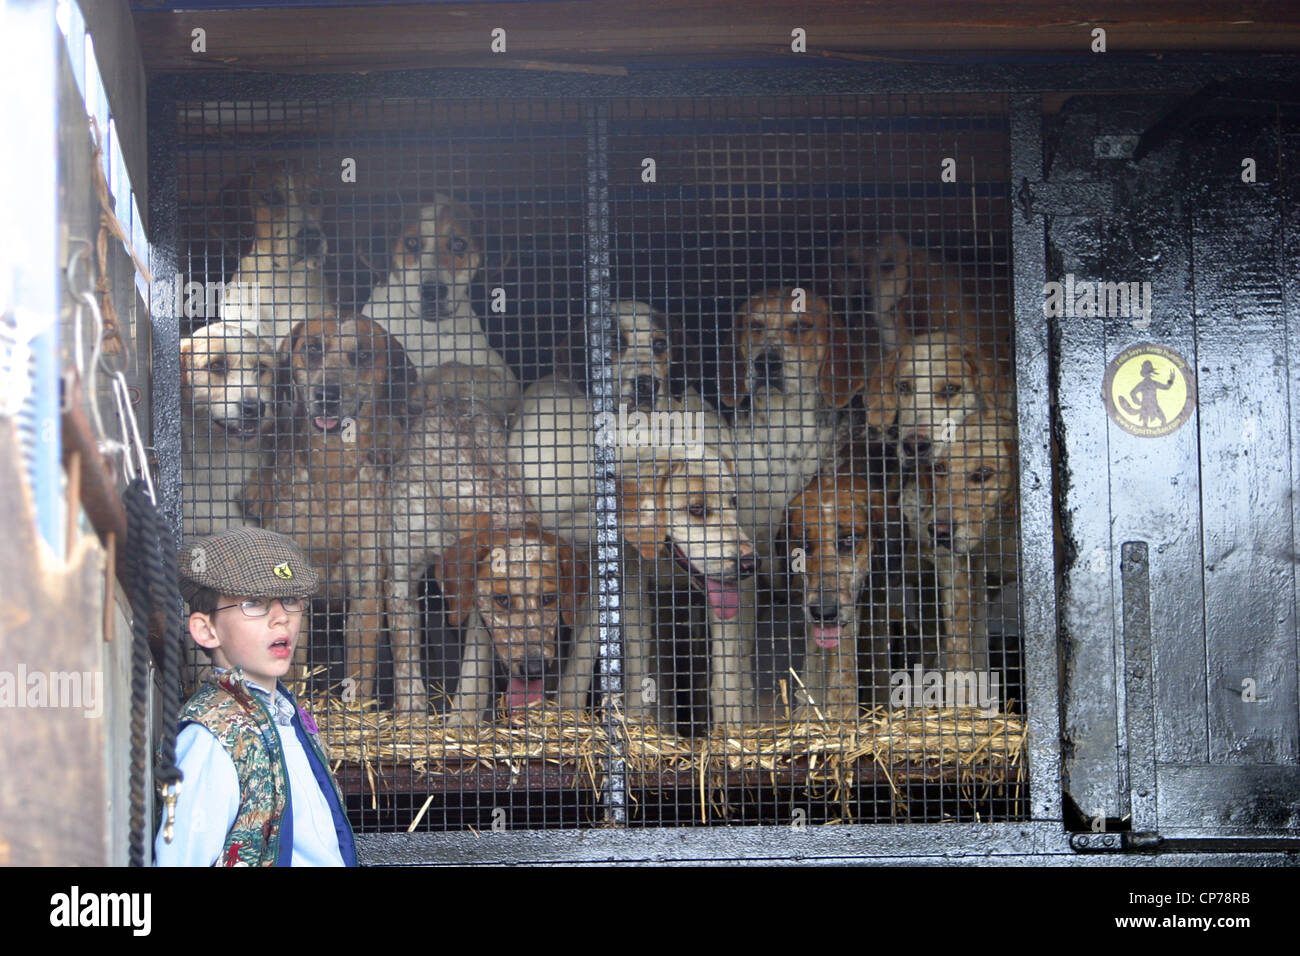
246	562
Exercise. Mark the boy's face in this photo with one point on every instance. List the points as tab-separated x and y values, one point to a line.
262	646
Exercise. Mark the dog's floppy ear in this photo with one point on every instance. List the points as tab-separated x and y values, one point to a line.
403	377
844	371
284	363
187	360
639	515
457	575
890	273
575	583
284	348
993	387
882	393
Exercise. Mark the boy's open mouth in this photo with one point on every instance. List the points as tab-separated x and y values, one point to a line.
281	648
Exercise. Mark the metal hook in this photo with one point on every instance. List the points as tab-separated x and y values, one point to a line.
137	440
69	271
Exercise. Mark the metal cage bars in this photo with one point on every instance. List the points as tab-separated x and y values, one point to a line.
1042	839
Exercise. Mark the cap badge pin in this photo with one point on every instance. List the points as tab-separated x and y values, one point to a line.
283	571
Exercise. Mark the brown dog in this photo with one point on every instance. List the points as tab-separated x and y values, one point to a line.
512	591
327	487
928	387
454	479
835	531
963	511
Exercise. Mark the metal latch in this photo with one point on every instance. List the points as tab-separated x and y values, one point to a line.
1115	842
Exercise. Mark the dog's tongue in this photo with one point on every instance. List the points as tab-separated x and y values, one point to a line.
723	598
827	638
325	424
523	692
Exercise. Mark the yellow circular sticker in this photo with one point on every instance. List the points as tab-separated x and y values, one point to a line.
1149	390
283	571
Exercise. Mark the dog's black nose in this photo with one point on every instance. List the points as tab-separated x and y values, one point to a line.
942	534
251	408
746	565
312	240
767	366
824	609
328	394
434	291
533	666
916	448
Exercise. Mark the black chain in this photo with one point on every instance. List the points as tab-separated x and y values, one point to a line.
151	572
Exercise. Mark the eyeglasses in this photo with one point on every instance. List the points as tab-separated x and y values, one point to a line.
260	607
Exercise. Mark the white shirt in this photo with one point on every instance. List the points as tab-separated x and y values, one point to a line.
209	798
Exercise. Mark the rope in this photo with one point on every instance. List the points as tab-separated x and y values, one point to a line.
151	571
109	223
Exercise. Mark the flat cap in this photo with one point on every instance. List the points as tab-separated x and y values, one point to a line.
246	562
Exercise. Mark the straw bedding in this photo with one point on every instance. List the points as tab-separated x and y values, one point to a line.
962	746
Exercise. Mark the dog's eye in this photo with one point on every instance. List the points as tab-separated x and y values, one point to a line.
313	350
844	544
660	346
980	476
502	601
698	511
550	600
363	357
273	197
263	368
949	390
733	502
218	367
314	197
939	468
888	265
459	245
412	243
905	388
802	328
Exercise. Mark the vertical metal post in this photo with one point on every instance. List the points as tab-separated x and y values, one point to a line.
29	249
600	335
164	212
1138	793
1033	374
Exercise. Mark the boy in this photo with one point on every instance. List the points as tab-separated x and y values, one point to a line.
257	788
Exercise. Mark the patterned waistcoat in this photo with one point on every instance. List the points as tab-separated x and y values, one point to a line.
244	726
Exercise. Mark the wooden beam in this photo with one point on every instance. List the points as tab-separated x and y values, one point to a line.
567	34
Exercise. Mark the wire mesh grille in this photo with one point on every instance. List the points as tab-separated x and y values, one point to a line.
707	400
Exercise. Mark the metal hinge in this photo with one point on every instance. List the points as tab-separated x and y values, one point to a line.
1069	198
1114	842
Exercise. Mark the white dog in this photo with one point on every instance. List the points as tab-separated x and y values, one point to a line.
273	213
227	407
425	303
